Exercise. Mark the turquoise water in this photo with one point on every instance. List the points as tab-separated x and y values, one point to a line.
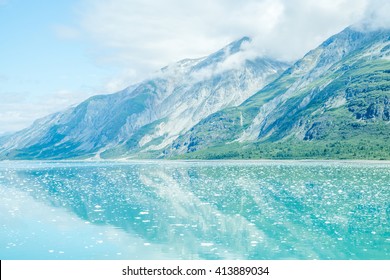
194	210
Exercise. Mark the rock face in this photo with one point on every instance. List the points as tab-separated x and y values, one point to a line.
149	116
338	92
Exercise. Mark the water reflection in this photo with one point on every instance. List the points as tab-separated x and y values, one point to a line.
212	210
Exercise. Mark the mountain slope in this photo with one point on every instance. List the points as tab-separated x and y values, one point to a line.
333	103
146	117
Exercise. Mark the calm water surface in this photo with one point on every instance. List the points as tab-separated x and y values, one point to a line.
194	210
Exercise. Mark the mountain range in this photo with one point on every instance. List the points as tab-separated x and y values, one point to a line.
332	103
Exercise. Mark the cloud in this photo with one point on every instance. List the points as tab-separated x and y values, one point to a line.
148	34
376	16
139	37
230	62
144	35
120	81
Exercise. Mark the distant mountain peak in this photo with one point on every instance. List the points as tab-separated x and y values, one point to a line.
197	64
236	46
232	48
221	55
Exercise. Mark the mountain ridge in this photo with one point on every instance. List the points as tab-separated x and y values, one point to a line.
283	109
148	115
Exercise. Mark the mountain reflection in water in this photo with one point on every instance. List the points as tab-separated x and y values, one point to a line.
194	210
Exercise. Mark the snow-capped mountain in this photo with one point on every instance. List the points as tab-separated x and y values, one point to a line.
148	116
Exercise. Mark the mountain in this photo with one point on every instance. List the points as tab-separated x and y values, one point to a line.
147	117
332	103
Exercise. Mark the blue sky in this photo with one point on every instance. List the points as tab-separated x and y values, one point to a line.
33	54
57	53
42	70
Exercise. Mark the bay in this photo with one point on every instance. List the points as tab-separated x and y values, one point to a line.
194	210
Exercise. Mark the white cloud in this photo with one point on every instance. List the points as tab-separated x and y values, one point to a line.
119	82
231	61
376	16
144	35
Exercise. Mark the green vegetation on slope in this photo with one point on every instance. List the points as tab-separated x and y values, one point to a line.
342	114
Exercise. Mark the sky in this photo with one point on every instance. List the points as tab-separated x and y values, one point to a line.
54	54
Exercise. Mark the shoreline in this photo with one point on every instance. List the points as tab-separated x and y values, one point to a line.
167	161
